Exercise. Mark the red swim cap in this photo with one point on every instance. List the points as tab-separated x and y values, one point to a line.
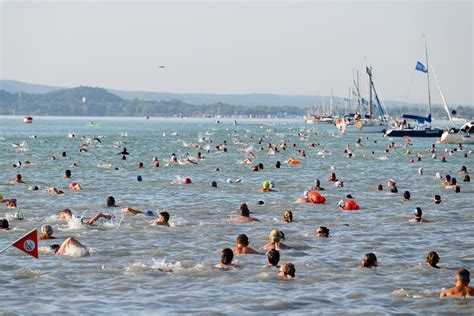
187	180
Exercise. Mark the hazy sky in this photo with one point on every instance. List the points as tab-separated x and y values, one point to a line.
303	48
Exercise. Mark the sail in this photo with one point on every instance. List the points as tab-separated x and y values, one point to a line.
420	119
446	108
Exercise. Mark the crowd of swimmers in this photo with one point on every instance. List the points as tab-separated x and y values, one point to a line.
275	245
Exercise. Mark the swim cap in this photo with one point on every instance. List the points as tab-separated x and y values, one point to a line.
155	159
272	184
214	184
47	229
149	213
438	175
305	193
339	184
187	180
19	216
229	180
317	182
139	178
349	196
418	211
333	167
260	202
393	181
266	184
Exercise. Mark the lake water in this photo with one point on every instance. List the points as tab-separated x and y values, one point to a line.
122	276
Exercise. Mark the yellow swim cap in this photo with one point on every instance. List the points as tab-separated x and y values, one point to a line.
266	184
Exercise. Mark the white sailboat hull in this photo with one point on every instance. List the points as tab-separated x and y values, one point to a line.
365	128
456	138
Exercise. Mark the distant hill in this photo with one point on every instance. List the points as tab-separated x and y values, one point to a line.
18	86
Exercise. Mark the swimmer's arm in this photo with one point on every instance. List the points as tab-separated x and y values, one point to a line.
131	211
96	217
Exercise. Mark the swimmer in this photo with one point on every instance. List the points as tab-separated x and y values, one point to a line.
46	232
67	214
226	260
4	225
463	170
275	238
67	173
332	177
244	215
54	191
111	201
322	232
369	261
437	199
288	216
379	188
287	271
17	180
432	260
339	184
303	199
74	186
131	211
317	186
11	203
71	247
162	220
140	165
406	196
418	216
266	187
278	164
466	178
452	184
392	185
124	152
461	285
242	246
447	180
273	257
349	205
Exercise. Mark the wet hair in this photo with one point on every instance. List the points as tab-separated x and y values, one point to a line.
406	195
18	176
453	181
278	164
333	176
226	256
463	168
124	157
458	189
243	239
463	275
67	173
379	187
369	261
323	231
244	210
66	210
140	165
418	212
54	247
289	269
273	257
437	199
63	154
467	178
288	216
260	166
447	178
47	230
166	216
4	224
255	168
110	201
432	259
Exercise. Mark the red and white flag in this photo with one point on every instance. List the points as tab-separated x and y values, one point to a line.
28	243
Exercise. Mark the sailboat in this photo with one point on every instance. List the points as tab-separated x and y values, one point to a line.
464	135
321	115
370	122
424	128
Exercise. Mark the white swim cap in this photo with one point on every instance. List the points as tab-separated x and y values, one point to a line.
229	180
155	159
333	167
272	184
305	193
438	175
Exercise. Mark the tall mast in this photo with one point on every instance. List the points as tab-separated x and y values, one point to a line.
428	76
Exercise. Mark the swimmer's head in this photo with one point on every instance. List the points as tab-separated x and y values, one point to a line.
67	173
226	256
369	261
47	230
432	259
213	184
242	239
288	269
406	195
322	232
333	167
349	196
305	194
273	257
317	182
418	212
437	199
139	178
275	236
466	178
244	210
260	202
266	184
187	180
155	159
272	184
438	175
165	216
54	248
379	187
339	184
463	276
288	216
4	224
65	213
229	180
111	201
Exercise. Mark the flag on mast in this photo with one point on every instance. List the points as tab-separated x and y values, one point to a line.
28	243
421	67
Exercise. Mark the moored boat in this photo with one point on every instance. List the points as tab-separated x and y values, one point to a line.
28	119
